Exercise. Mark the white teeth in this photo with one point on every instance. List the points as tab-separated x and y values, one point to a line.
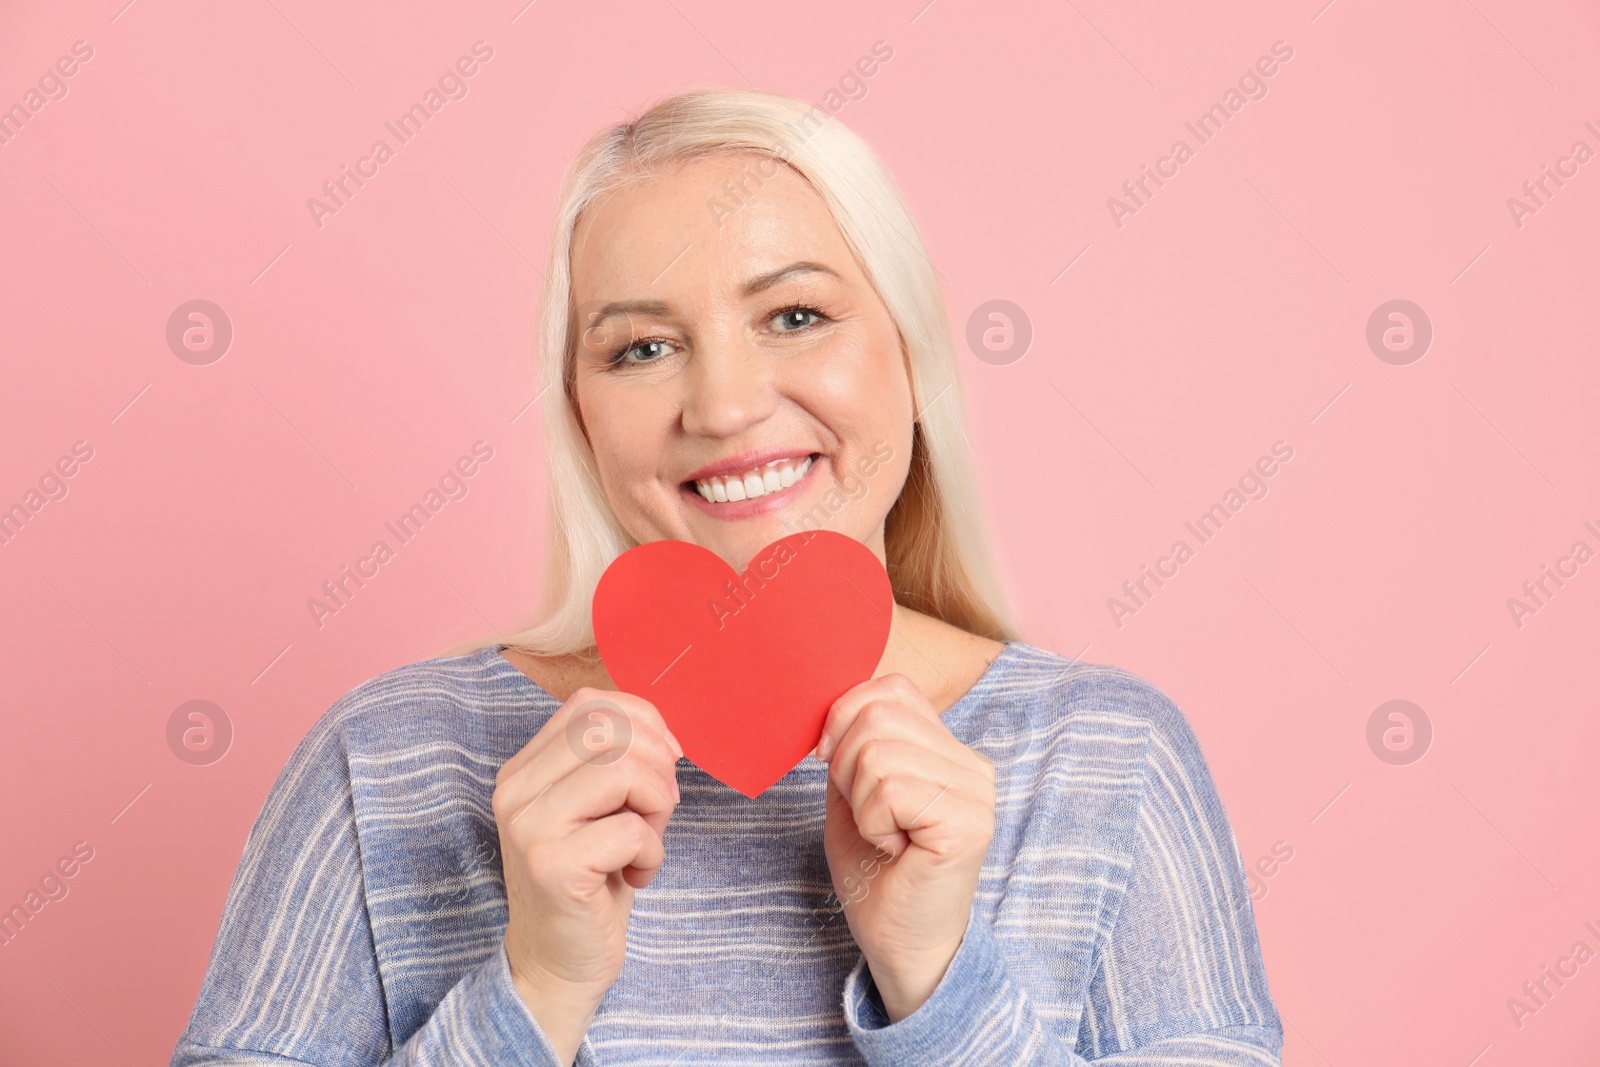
768	478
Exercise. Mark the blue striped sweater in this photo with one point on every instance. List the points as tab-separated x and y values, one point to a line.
1111	923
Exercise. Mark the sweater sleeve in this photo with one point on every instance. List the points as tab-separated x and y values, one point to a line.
293	975
1178	980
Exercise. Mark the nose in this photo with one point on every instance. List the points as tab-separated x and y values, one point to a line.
729	388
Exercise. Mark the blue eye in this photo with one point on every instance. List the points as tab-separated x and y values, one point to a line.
796	318
659	349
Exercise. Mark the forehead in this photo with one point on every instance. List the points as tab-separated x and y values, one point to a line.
720	219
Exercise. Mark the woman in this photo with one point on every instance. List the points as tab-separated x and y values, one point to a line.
996	855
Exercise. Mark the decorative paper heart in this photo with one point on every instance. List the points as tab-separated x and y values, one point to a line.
744	668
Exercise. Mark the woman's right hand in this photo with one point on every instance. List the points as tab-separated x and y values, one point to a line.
581	810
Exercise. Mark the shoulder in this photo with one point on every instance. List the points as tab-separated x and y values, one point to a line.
1065	691
1062	715
1101	758
417	693
1111	721
471	705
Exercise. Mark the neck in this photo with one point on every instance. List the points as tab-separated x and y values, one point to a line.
942	660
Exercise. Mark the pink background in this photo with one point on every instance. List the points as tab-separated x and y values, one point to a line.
1228	313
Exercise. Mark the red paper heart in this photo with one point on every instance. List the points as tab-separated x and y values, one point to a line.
744	668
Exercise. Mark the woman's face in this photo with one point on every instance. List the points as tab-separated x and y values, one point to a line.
729	339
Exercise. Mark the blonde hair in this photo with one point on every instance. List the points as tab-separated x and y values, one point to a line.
936	546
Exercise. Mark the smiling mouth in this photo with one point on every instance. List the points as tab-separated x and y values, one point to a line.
754	483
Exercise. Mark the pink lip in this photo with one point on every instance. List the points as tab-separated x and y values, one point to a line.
744	509
746	461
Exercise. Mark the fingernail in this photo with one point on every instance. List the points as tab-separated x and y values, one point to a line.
824	747
673	741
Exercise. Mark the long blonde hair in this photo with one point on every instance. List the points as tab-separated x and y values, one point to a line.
936	546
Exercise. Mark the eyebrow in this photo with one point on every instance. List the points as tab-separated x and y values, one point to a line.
773	277
759	283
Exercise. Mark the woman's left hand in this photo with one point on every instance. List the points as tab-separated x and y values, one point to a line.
910	813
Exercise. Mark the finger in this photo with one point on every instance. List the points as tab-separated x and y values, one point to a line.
587	707
526	806
586	794
594	792
886	720
940	818
639	711
902	787
516	786
843	712
619	842
881	852
915	774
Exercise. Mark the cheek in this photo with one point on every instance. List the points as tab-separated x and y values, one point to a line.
863	382
624	434
862	396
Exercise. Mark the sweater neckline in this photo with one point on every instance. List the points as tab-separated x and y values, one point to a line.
510	675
